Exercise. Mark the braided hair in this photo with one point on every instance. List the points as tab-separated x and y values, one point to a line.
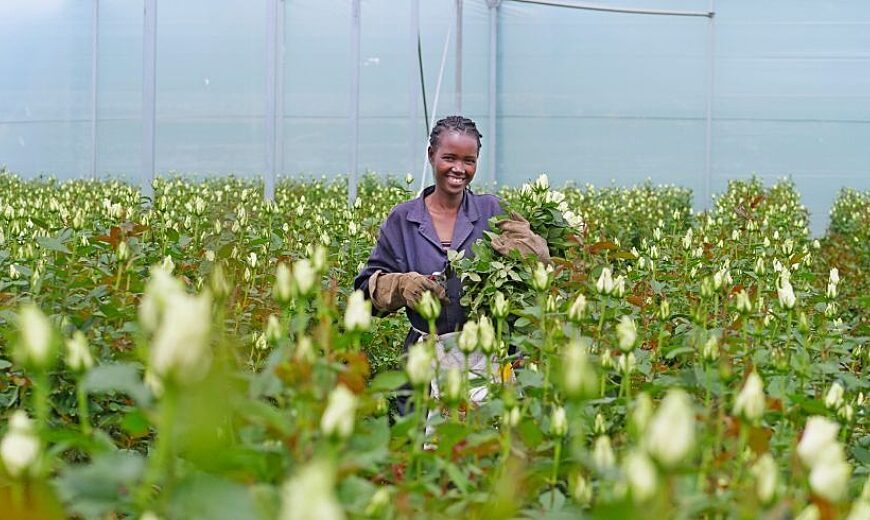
459	124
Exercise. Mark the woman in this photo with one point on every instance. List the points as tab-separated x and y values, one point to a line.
413	241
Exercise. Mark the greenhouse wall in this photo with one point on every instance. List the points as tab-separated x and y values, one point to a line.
585	96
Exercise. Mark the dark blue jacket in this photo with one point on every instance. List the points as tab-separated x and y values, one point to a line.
408	242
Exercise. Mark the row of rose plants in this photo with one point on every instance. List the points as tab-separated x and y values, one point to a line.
203	356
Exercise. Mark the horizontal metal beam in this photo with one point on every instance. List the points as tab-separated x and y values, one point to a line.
608	9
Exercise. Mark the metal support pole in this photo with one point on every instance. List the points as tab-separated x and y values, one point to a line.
414	86
711	77
354	100
149	97
491	178
458	64
273	8
95	53
279	93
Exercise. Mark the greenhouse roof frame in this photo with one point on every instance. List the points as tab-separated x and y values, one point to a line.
274	82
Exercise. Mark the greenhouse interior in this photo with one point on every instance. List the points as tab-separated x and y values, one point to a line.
651	301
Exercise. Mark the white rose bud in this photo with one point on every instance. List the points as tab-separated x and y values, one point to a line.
626	331
642	412
340	413
168	265
846	412
577	309
605	281
283	289
304	276
310	494
641	475
469	337
619	286
453	388
820	433
36	346
786	295
811	512
766	478
486	333
512	417
671	432
600	426
742	302
750	401
273	329
19	448
602	455
626	363
540	278
558	422
500	306
358	315
860	511
581	490
834	397
419	367
429	307
830	479
578	376
319	258
379	500
181	349
664	309
78	354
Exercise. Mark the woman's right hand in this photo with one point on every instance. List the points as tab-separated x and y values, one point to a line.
392	291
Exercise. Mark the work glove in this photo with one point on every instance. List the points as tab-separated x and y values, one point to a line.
516	235
392	291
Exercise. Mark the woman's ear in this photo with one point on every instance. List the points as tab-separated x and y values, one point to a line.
430	152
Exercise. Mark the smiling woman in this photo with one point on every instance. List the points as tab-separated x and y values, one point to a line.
411	251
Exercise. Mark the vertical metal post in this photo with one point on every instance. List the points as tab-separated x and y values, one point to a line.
271	96
458	64
493	90
279	93
95	53
354	99
149	97
414	86
711	77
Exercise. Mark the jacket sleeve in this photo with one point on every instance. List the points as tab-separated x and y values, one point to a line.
383	258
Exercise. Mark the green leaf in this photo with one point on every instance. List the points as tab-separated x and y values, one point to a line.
119	377
552	500
457	476
207	496
52	244
530	433
388	381
96	489
677	351
862	455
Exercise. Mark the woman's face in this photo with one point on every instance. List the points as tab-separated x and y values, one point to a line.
454	162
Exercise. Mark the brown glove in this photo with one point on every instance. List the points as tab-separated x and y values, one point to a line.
516	234
392	291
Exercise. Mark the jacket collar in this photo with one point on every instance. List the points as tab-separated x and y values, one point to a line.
465	219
